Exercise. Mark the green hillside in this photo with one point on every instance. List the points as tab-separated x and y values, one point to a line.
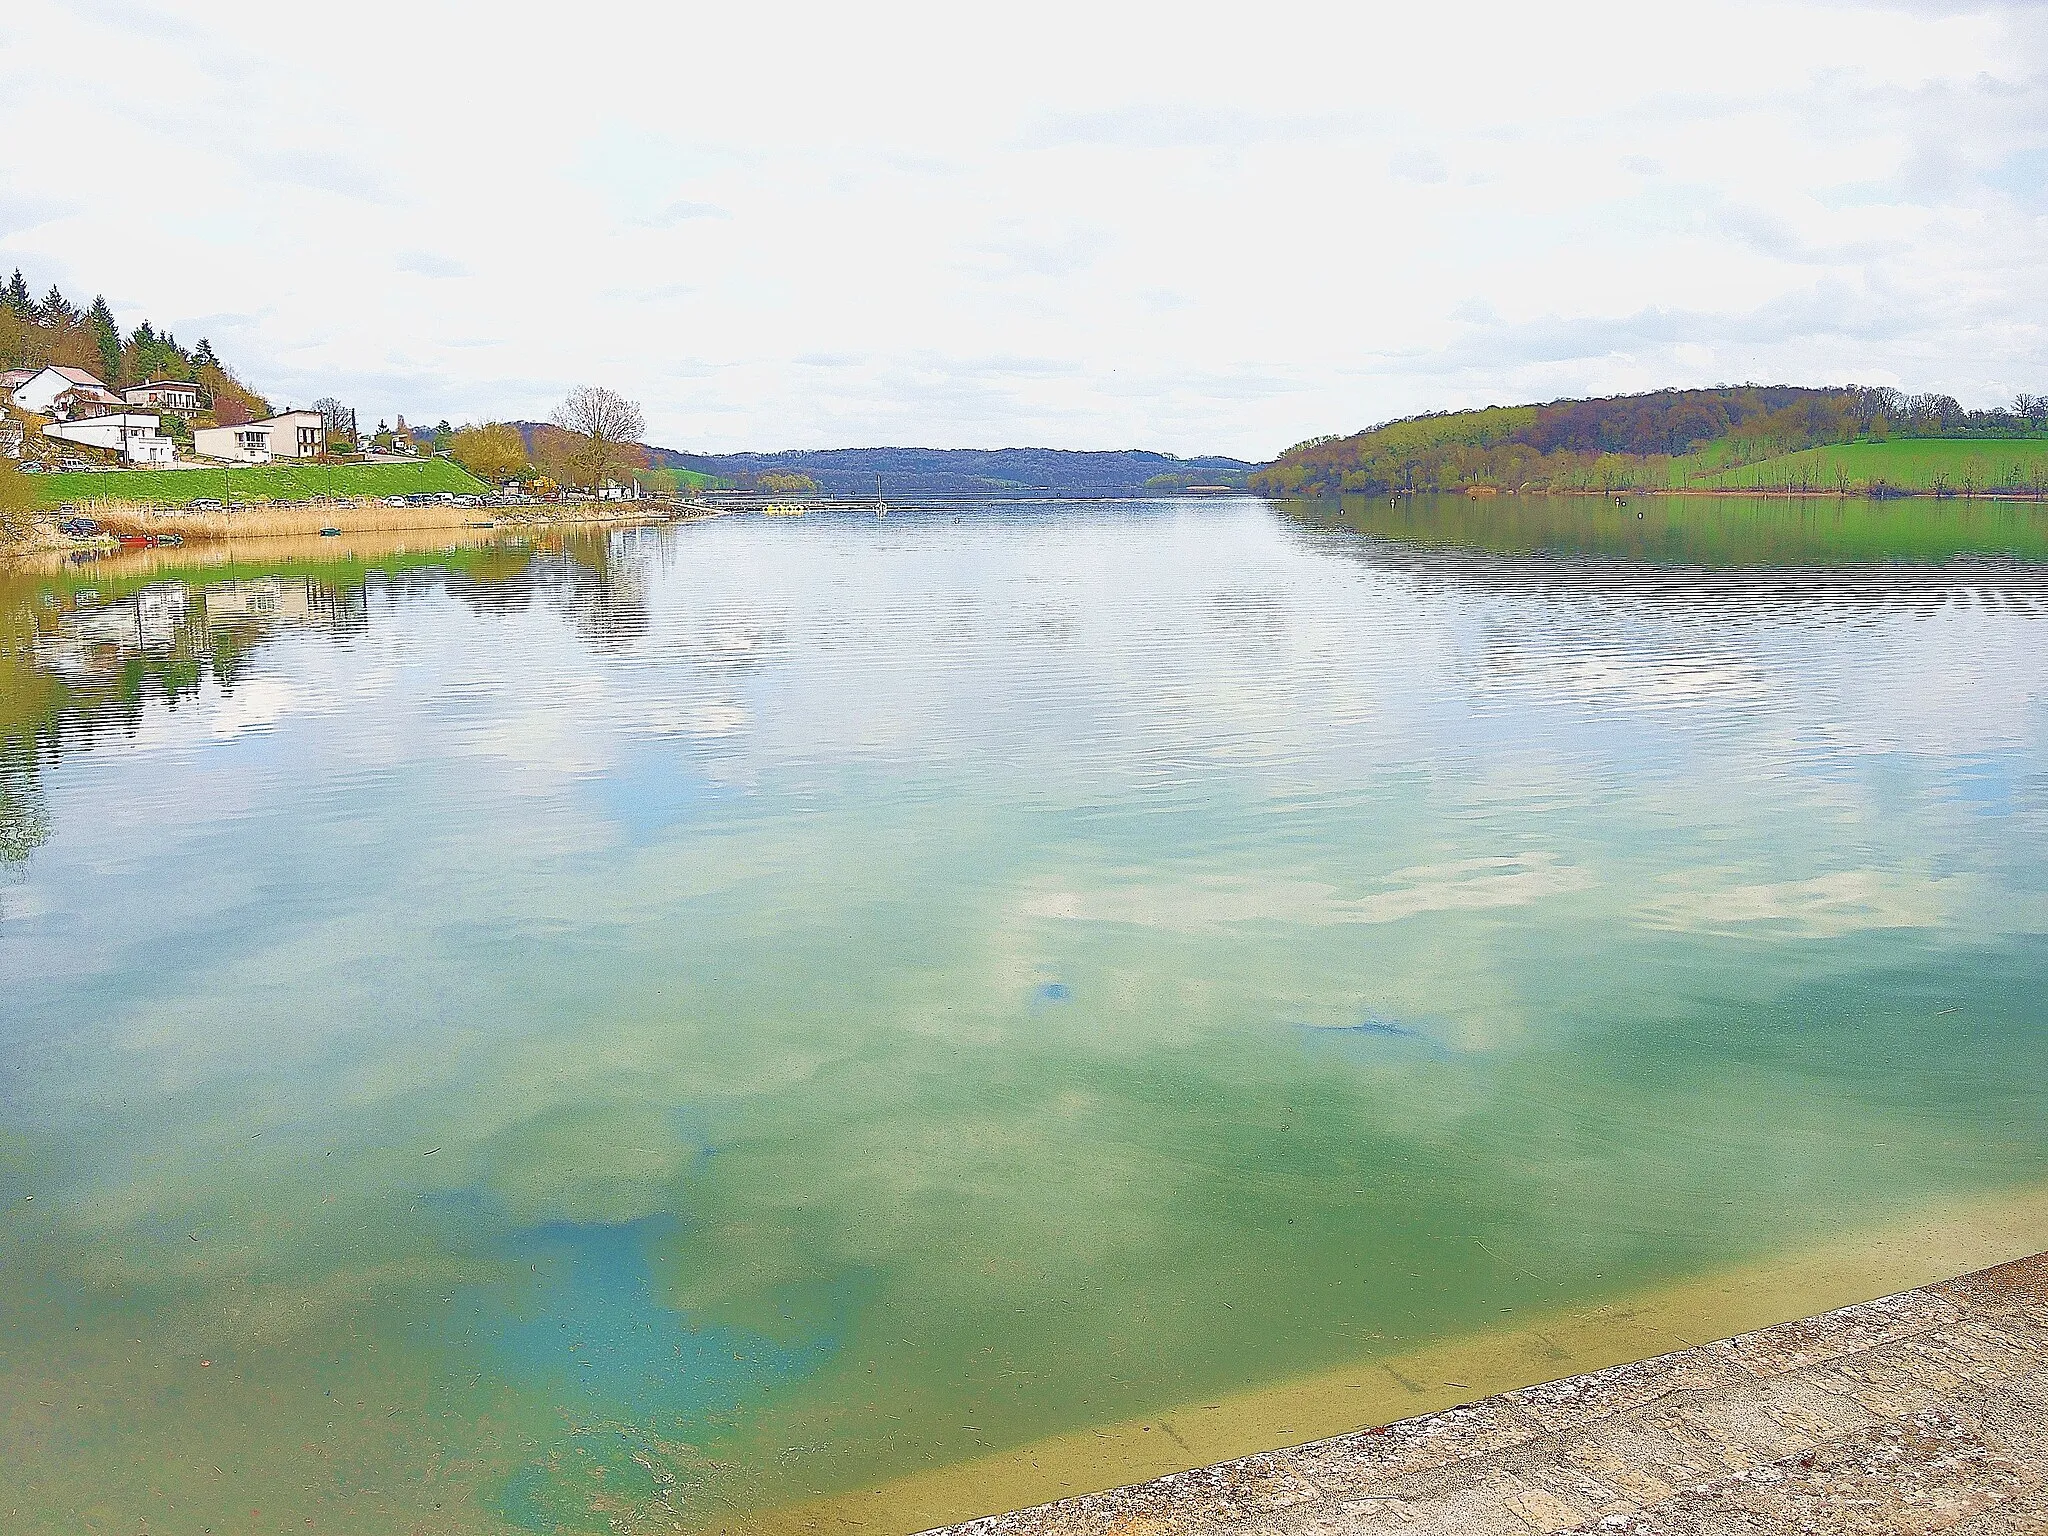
1959	466
268	482
677	482
1733	437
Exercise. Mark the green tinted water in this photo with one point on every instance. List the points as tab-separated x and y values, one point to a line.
633	1033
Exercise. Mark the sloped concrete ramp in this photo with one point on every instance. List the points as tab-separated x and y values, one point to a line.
1922	1412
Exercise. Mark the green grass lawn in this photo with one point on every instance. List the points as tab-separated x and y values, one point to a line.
1958	465
677	482
273	482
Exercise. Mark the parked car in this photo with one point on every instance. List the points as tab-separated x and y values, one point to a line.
204	504
31	468
397	501
78	527
467	501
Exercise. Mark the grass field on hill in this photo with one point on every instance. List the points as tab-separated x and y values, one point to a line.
677	482
1961	466
273	482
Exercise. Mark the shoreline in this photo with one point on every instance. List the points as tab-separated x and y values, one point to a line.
1938	1243
1918	1411
363	516
1753	493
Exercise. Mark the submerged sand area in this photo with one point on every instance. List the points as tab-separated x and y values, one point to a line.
1919	1412
1418	1393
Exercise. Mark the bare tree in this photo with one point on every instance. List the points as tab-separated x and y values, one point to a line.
337	420
608	428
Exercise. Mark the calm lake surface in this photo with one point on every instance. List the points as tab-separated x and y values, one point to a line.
635	1031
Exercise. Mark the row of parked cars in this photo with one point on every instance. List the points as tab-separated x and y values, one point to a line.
443	499
90	528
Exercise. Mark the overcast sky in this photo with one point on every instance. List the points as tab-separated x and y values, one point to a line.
1188	227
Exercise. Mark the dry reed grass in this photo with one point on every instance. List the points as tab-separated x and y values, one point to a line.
120	517
127	517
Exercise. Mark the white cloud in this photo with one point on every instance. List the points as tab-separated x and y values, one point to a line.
428	264
256	704
1824	907
1197	906
1356	211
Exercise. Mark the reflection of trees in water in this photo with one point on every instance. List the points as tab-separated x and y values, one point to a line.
77	667
24	824
598	580
1737	534
1567	570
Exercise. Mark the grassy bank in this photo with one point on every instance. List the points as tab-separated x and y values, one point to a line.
1958	466
271	482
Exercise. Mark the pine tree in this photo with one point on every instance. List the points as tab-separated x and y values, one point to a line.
55	310
202	355
108	334
17	298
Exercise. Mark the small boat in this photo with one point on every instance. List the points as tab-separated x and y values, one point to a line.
330	533
135	541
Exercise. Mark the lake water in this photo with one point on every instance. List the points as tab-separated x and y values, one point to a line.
646	1031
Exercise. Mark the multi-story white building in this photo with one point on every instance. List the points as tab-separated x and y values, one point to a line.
131	434
291	435
167	395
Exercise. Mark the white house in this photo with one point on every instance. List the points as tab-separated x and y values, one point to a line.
131	434
39	394
297	434
292	435
166	395
249	444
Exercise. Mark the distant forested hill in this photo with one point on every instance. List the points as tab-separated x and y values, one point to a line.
1668	439
953	471
968	471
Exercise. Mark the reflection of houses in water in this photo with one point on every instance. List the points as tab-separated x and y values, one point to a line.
161	621
283	600
147	621
94	642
